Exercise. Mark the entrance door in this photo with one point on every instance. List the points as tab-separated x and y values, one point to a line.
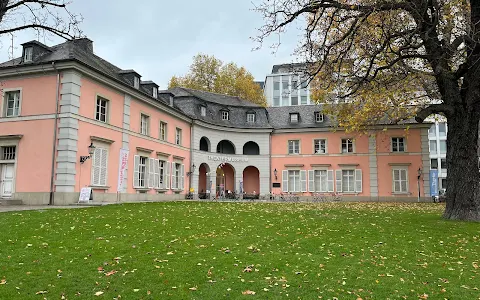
7	181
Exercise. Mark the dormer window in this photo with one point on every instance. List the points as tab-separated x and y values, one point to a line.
225	115
136	82
318	117
28	54
294	118
203	111
155	92
251	118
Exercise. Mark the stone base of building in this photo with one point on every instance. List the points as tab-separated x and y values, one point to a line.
65	198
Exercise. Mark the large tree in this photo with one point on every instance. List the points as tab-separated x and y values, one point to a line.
208	73
381	57
43	16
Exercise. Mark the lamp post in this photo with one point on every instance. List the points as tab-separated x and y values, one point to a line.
192	169
91	150
419	173
275	173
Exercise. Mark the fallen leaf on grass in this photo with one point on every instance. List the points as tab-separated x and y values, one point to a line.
100	269
110	273
193	288
99	293
3	281
41	292
248	292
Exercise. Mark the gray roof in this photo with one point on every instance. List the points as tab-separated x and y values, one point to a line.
190	102
289	68
213	97
279	117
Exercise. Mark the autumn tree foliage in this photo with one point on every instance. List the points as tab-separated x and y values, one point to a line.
208	73
372	60
43	16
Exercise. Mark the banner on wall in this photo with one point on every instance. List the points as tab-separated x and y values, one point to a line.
433	182
122	167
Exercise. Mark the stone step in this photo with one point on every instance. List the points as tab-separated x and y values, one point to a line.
11	202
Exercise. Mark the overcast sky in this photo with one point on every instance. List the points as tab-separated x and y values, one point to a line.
158	38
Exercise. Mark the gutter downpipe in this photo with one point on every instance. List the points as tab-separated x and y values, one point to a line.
55	129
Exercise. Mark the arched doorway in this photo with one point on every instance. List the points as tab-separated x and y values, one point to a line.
204	144
251	180
226	147
251	148
204	181
225	179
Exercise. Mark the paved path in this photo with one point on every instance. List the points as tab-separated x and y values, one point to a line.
4	208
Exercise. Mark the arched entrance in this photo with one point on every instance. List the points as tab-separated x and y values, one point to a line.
225	179
204	181
251	180
225	147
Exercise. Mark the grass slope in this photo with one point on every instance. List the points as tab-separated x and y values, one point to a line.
191	250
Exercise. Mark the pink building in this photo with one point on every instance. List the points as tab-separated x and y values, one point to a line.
148	144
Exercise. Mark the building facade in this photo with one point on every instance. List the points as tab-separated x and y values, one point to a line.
70	119
286	86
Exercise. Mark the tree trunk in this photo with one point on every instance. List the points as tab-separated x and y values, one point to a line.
463	181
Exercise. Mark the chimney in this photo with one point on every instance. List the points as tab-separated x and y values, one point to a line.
84	43
171	100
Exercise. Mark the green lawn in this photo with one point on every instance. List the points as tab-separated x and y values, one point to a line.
191	250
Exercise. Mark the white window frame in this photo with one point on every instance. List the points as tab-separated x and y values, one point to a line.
319	143
396	141
100	165
98	107
400	191
250	118
203	111
144	124
318	117
178	136
225	115
138	169
163	131
299	178
162	174
28	54
347	142
293	142
357	181
136	82
318	176
294	119
155	92
7	92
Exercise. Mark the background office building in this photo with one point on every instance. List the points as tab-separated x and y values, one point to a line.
437	138
286	86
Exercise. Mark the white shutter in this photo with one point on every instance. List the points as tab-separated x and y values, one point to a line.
174	176
151	172
330	181
311	180
285	181
338	180
303	180
182	178
358	180
96	162
136	162
156	174
167	175
103	167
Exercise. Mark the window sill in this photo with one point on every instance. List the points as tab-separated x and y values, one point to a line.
99	187
141	188
401	194
161	190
